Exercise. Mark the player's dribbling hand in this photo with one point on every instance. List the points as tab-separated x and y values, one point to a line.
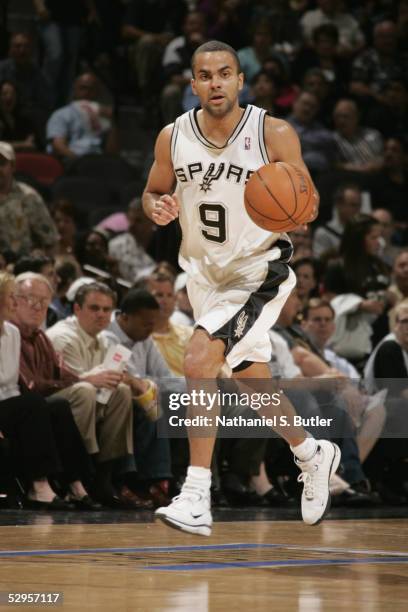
166	209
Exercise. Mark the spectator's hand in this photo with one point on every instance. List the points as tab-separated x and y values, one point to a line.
166	209
138	385
106	379
373	306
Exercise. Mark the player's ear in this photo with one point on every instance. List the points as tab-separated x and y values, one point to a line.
240	81
193	86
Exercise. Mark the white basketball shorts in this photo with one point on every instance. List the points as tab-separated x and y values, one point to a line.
243	309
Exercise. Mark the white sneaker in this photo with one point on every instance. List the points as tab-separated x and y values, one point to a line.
316	474
190	511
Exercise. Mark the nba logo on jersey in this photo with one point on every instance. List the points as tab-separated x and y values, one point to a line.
247	143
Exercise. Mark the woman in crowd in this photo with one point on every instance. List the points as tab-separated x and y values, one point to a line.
358	282
307	272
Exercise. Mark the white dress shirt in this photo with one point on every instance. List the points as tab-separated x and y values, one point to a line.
9	361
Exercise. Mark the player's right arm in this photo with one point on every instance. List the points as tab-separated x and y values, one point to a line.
158	204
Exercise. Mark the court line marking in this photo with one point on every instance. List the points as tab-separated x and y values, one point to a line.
204	547
283	563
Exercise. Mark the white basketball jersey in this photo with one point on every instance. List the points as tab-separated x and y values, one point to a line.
217	231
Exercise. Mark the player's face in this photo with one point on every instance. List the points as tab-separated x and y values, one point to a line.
217	82
401	328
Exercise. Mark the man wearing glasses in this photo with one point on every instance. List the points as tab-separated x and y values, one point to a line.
76	375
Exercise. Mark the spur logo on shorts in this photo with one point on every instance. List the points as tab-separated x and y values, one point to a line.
241	323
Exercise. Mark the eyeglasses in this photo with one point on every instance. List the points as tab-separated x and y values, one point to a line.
34	301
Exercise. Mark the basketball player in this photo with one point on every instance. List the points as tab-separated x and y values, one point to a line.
238	273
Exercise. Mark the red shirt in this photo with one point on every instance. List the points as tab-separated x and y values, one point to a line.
41	369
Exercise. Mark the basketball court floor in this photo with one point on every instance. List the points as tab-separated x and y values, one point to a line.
254	560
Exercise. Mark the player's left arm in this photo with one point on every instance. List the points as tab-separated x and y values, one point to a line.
282	144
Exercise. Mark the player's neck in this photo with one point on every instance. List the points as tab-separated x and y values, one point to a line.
218	130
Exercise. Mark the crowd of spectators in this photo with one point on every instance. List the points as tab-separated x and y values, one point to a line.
82	269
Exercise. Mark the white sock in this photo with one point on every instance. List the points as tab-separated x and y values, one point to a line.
305	450
200	475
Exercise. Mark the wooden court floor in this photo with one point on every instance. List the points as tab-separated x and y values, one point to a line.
250	565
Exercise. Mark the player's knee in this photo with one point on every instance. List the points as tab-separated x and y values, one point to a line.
200	365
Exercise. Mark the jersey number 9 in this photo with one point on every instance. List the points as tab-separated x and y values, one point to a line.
214	219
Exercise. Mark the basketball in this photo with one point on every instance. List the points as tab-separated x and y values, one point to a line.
279	197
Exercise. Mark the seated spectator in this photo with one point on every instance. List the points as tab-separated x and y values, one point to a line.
389	187
251	58
391	358
285	27
40	264
388	251
346	205
177	64
287	92
302	242
264	92
312	364
399	288
318	322
84	126
317	142
129	249
66	221
60	27
25	222
20	68
67	272
323	55
351	39
150	25
359	282
171	339
132	326
390	115
26	420
359	149
183	313
225	19
94	251
378	64
105	428
16	126
307	272
315	82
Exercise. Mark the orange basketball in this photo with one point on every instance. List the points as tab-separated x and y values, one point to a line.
279	197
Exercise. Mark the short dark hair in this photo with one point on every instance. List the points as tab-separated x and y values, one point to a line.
31	263
211	47
95	287
138	299
315	303
340	191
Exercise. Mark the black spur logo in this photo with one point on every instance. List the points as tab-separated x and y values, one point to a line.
211	176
